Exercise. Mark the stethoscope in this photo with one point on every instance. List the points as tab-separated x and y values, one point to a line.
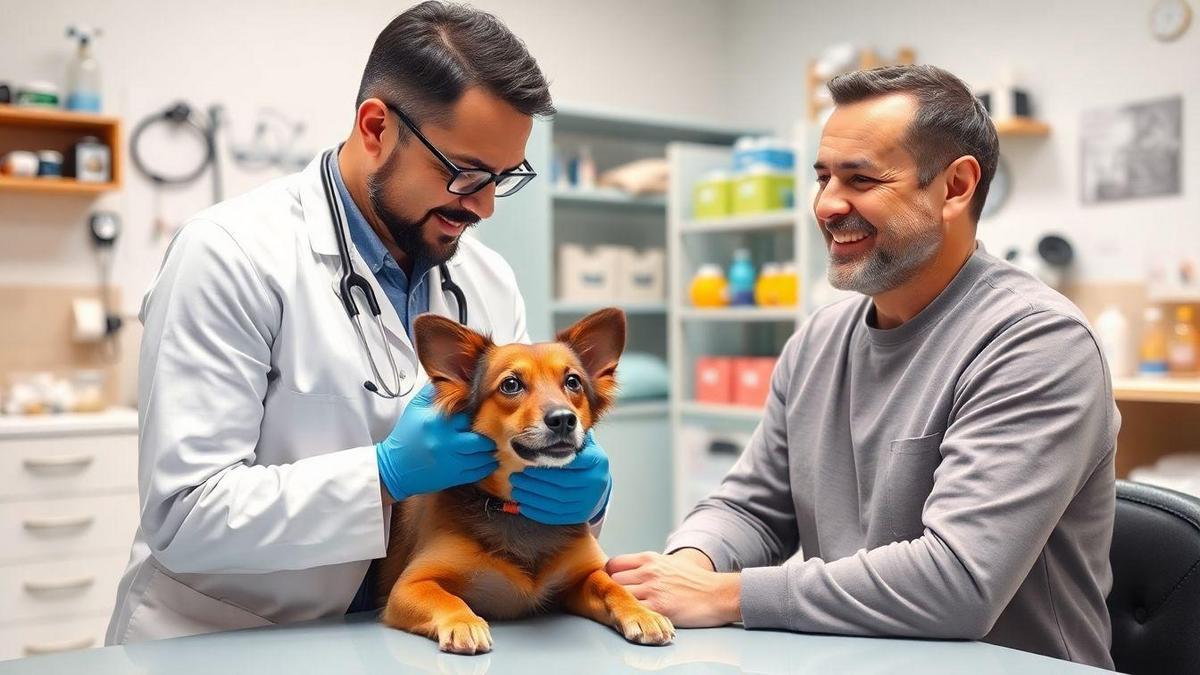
352	280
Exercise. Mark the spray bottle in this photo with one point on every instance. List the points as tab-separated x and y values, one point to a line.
83	73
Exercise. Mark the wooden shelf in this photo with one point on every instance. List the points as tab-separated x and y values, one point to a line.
54	118
609	198
62	186
740	314
721	411
1021	126
33	129
1157	390
1173	295
770	220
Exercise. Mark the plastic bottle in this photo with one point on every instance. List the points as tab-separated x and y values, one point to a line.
1113	331
587	169
709	288
788	285
83	73
1183	345
1152	355
741	278
766	289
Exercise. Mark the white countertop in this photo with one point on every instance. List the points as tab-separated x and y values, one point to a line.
113	420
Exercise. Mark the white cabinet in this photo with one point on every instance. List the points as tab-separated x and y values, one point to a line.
68	512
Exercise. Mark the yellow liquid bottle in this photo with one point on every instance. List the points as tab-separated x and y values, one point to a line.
1183	345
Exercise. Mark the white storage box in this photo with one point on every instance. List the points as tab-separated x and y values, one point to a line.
641	275
588	274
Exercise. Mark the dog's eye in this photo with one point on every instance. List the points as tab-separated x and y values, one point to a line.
510	386
573	383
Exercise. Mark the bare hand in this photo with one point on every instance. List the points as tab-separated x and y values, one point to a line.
680	588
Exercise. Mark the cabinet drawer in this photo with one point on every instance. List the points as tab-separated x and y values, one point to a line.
63	465
60	588
48	637
74	526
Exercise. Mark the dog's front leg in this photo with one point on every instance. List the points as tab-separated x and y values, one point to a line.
597	597
420	604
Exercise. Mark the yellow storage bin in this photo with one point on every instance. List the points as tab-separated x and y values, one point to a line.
761	189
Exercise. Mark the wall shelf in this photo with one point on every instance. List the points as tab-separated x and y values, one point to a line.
33	129
1157	390
64	186
1021	126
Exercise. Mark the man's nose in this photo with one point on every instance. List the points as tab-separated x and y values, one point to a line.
482	203
830	204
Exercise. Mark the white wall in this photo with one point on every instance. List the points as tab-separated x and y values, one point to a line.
1072	55
306	58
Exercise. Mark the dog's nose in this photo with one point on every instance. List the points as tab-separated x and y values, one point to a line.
561	421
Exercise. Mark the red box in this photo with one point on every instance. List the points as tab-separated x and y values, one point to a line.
752	380
714	379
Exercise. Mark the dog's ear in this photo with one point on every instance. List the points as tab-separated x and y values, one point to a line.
598	339
450	353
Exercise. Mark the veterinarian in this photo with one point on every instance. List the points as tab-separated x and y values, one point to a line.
280	414
936	455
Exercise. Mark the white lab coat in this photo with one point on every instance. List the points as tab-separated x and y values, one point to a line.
259	492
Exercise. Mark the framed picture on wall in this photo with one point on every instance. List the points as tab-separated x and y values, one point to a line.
1132	151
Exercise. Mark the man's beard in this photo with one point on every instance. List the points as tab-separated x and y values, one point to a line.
884	268
409	235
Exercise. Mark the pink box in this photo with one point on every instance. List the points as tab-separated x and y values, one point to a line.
752	380
714	379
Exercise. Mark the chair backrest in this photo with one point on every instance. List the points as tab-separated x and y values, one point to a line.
1155	598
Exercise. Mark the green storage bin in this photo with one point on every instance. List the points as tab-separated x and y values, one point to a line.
713	196
762	189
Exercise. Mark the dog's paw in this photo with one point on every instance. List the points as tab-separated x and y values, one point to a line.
646	627
468	636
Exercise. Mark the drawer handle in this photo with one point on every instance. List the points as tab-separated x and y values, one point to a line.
64	462
60	584
58	522
64	646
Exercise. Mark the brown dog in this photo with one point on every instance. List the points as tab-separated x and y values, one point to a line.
461	555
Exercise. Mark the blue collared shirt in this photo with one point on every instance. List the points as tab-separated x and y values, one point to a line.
410	301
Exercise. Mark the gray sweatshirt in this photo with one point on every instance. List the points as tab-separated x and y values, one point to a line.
949	478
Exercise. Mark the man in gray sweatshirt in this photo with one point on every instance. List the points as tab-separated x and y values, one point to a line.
936	458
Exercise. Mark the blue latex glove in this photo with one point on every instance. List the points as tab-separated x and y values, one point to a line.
575	493
427	451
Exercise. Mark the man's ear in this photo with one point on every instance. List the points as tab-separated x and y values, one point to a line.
598	340
962	177
450	353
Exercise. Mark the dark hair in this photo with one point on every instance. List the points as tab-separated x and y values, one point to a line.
950	121
428	56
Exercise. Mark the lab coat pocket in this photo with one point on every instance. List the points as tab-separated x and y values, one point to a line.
907	484
169	608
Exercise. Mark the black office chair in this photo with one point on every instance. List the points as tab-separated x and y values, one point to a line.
1155	599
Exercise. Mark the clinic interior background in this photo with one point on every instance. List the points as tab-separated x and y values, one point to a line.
706	63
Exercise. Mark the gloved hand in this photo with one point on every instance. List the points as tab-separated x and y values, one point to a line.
427	451
575	493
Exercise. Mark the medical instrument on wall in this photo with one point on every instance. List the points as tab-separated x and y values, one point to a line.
179	117
273	145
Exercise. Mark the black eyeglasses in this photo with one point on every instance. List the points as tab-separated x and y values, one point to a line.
470	181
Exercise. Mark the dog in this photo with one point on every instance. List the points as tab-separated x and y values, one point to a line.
463	555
